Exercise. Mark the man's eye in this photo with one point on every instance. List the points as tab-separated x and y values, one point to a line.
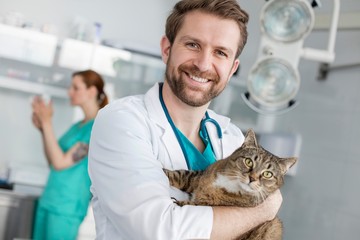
192	45
221	53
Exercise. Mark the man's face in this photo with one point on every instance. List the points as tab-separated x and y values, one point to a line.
202	58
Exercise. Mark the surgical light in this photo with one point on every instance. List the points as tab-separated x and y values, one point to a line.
274	81
287	21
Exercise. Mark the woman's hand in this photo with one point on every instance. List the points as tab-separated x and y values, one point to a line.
42	112
36	121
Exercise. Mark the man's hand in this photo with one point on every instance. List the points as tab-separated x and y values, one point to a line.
272	205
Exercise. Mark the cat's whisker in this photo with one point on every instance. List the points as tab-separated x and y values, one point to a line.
263	195
260	196
237	177
229	172
232	178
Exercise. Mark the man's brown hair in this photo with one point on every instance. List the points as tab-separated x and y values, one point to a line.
226	9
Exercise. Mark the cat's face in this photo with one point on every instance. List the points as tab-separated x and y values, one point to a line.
257	171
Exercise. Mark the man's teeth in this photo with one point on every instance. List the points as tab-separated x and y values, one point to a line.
198	79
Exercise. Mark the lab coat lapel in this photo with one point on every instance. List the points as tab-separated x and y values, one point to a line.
229	142
168	137
174	150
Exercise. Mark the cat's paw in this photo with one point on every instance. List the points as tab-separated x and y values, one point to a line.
182	203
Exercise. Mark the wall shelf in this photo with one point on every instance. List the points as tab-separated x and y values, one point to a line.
32	87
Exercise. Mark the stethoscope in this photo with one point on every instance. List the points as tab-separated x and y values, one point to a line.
206	124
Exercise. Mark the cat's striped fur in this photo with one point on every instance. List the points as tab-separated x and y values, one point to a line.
244	179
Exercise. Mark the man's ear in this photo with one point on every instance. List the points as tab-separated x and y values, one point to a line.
165	48
235	66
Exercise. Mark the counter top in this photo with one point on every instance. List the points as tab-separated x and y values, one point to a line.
6	193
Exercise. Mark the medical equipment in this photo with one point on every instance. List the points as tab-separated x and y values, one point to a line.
205	126
274	80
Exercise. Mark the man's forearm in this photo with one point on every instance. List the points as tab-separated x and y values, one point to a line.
232	222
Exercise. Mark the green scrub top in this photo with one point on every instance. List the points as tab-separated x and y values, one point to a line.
67	191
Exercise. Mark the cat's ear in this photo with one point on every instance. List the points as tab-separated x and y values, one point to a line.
287	163
250	139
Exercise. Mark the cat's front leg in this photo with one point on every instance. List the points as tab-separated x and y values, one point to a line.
182	203
185	180
189	202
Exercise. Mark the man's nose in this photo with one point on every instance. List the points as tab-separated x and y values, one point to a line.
203	61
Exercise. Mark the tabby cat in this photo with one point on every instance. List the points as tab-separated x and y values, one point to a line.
245	179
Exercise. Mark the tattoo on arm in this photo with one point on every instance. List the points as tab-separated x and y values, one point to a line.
80	152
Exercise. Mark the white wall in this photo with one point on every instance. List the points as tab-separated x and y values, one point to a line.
20	142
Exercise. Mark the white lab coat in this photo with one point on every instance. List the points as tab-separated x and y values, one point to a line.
130	144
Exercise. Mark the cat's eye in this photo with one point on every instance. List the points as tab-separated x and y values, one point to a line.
267	174
248	162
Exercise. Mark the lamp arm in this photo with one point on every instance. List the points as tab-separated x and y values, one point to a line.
334	26
328	55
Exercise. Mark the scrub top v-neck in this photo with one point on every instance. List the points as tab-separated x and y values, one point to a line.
195	160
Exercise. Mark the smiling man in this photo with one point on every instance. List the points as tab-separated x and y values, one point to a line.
171	127
201	59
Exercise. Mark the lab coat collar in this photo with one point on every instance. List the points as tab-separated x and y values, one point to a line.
154	108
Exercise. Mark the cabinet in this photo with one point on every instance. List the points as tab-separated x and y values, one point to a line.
27	45
36	62
16	215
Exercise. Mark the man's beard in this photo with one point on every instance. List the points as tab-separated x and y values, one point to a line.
178	85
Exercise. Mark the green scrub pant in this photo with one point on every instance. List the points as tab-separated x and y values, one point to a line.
52	226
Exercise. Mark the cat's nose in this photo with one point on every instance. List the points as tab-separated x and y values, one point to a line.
251	178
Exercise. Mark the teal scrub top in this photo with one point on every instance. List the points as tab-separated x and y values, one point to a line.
197	161
67	191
